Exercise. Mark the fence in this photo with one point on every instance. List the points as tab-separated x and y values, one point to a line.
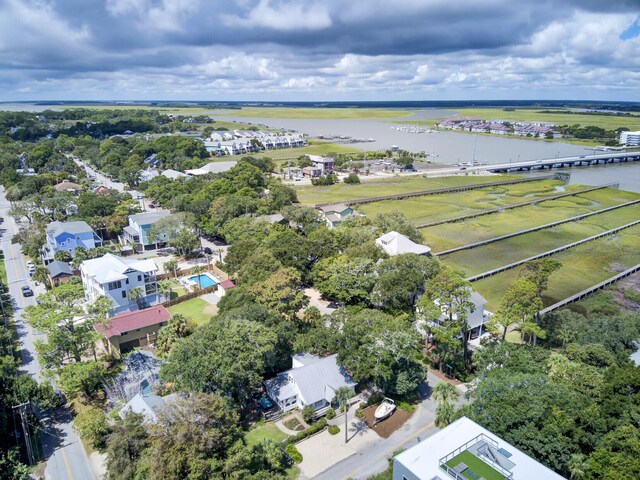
534	229
551	252
183	298
189	271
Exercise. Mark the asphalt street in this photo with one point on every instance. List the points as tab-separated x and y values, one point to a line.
63	451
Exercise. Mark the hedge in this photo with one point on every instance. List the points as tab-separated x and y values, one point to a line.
293	452
334	429
314	428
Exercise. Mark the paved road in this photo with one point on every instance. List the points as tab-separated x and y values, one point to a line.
373	459
66	458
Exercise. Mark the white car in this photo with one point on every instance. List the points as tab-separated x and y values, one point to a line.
31	266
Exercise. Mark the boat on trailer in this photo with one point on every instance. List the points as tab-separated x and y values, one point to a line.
385	409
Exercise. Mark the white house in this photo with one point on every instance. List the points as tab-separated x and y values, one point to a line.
394	243
464	450
212	167
312	381
149	406
114	277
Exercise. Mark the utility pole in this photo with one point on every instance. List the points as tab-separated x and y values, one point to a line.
22	408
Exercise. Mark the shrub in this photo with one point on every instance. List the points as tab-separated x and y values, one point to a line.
352	178
334	429
315	428
307	413
293	452
331	413
360	413
375	398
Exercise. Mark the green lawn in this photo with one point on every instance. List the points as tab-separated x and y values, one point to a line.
449	235
477	466
3	273
196	309
494	255
314	148
439	207
582	267
266	432
342	192
320	113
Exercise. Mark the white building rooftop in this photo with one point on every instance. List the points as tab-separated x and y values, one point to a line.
395	243
110	268
467	449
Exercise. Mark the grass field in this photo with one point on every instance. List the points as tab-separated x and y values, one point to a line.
320	113
265	432
196	309
437	207
582	267
314	148
341	192
3	274
450	235
493	255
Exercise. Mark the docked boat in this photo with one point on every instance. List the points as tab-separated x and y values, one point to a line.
385	409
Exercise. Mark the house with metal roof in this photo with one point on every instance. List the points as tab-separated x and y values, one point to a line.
212	167
138	232
465	450
67	236
130	330
334	214
394	243
114	277
312	381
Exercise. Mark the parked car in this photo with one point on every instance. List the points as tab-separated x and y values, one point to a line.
26	291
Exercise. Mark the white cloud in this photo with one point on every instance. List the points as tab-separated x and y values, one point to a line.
283	16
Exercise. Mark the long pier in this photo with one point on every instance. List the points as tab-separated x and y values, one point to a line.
534	229
460	188
585	293
548	253
513	205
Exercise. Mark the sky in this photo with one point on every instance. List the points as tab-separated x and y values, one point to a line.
296	50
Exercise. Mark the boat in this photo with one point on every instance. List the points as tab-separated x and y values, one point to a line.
385	409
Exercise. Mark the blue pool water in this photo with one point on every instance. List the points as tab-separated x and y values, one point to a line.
205	280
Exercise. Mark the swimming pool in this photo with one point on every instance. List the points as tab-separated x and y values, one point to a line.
206	280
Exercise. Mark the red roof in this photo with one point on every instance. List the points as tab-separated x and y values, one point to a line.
227	284
129	321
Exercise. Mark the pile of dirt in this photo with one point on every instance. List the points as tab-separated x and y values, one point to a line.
387	426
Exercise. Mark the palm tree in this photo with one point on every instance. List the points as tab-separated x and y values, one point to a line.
444	394
135	294
577	466
164	287
343	394
197	270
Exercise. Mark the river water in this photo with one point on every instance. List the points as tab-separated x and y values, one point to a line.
455	147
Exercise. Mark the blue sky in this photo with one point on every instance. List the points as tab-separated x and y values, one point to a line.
319	50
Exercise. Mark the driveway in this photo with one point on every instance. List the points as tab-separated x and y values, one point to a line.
372	451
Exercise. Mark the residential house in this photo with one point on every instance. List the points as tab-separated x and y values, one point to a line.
312	381
311	172
114	277
138	232
334	214
326	164
213	167
394	243
67	186
476	316
60	272
67	236
148	405
130	330
465	450
173	174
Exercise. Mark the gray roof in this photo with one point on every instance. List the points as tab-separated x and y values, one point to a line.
338	208
57	228
312	382
149	218
147	405
57	268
